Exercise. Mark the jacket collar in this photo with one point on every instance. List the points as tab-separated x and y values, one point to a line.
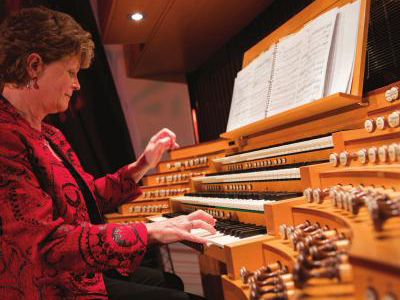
9	109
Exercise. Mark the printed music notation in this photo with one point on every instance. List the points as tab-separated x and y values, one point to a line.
251	86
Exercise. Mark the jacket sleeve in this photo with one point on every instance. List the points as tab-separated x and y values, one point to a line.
109	191
115	189
27	223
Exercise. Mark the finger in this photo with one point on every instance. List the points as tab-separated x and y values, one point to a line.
184	235
178	217
195	224
201	215
186	225
167	143
159	151
159	135
153	156
165	132
169	133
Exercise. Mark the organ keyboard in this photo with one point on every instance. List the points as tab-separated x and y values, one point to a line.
248	204
288	149
291	173
242	201
228	231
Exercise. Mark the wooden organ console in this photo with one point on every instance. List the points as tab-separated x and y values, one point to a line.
307	200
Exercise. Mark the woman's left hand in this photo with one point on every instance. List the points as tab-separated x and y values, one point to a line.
178	228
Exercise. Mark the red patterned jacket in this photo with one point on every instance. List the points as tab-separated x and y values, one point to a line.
48	248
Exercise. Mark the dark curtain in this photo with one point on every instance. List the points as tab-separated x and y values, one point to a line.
94	124
211	85
383	48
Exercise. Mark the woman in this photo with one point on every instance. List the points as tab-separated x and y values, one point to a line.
53	243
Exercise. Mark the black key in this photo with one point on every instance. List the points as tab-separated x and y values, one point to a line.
250	233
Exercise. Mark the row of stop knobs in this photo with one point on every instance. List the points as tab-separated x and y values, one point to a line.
228	187
382	204
149	208
383	122
257	164
188	163
178	177
165	193
383	154
218	214
340	195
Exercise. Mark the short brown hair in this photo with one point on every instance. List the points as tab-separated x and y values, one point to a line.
51	34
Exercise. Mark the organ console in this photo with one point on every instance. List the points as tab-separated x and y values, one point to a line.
307	201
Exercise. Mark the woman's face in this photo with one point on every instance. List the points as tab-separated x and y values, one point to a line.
57	82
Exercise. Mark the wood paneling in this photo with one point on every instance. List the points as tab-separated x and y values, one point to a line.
174	36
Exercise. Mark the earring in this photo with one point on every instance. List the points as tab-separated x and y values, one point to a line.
29	84
35	84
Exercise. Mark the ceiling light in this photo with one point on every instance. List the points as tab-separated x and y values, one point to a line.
137	16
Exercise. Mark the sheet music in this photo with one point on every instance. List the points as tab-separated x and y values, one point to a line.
250	92
262	77
238	111
314	60
344	46
301	63
286	73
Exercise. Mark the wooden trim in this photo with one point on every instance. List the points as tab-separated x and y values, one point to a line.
237	255
338	120
280	212
359	63
320	106
200	149
235	289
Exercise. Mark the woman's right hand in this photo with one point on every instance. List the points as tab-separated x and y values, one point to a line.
163	140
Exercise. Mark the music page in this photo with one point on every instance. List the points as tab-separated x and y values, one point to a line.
239	104
344	47
285	77
314	60
301	63
249	100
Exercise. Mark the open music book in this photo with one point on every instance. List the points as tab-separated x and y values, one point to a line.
312	63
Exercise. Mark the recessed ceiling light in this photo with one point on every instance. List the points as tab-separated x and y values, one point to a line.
137	16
